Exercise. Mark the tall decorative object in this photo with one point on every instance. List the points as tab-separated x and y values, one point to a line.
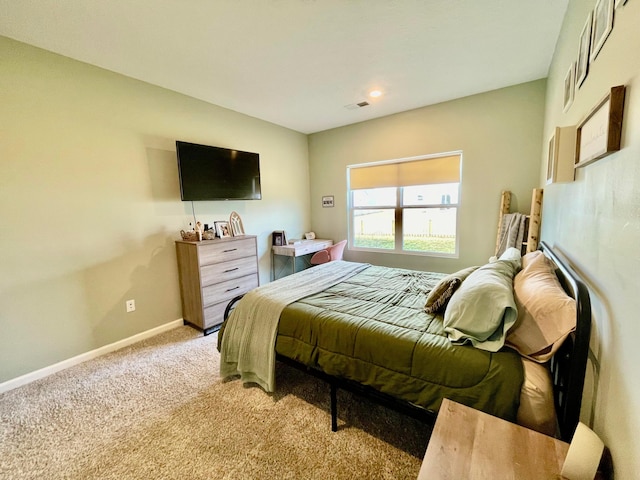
235	223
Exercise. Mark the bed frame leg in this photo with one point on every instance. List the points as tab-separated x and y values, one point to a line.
334	407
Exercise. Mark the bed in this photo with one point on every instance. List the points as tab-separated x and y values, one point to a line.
369	331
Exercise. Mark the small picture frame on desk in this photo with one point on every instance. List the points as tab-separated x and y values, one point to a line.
278	238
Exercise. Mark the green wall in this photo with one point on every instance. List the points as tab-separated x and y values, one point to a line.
499	133
90	202
595	220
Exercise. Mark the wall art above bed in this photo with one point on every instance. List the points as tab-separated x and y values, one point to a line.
600	132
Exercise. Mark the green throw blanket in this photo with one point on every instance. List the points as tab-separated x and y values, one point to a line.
248	344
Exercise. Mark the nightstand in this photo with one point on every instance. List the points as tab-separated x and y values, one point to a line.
470	444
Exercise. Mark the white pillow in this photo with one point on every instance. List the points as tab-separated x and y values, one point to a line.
510	253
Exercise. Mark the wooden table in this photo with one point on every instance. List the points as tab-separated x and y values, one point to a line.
469	444
303	247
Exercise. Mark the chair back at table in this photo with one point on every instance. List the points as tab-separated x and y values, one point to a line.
329	254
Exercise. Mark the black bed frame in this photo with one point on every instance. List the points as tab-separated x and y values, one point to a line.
568	365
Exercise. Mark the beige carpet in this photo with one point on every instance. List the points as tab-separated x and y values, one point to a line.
158	410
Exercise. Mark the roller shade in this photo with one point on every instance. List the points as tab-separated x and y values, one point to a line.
425	171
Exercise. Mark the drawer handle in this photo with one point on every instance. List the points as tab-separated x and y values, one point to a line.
230	250
232	289
230	270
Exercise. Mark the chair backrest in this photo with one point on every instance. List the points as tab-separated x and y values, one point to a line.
337	251
329	254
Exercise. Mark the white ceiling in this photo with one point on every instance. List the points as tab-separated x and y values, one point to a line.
299	63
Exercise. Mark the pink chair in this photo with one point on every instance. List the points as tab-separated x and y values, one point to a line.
330	254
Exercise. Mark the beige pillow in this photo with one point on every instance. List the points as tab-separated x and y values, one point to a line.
546	314
537	409
439	297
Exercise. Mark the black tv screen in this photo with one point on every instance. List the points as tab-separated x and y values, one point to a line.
215	173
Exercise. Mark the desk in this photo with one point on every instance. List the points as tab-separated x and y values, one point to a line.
470	444
304	247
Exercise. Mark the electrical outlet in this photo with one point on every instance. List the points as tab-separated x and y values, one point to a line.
131	305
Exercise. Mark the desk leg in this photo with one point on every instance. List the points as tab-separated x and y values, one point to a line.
283	270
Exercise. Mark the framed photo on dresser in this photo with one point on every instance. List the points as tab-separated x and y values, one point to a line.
222	229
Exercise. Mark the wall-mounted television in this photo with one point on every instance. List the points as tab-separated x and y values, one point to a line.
216	173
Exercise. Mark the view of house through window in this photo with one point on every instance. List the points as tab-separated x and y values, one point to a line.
405	206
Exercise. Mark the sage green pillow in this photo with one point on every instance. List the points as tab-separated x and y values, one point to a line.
483	309
439	297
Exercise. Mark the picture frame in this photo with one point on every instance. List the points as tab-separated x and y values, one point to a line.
278	238
569	88
602	26
551	159
222	229
619	3
600	132
235	225
584	44
327	201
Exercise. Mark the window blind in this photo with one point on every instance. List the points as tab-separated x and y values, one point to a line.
424	171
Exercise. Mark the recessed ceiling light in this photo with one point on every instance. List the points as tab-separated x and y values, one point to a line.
375	93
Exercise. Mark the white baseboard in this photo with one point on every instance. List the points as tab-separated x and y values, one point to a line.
56	367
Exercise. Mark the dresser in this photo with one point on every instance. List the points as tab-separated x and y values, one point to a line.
212	272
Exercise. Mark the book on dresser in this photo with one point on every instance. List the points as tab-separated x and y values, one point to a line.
213	272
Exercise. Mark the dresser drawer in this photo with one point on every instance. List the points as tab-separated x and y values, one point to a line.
225	291
220	251
214	315
221	272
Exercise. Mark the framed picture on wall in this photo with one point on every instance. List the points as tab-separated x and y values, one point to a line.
600	133
582	64
619	3
569	87
602	26
551	159
327	201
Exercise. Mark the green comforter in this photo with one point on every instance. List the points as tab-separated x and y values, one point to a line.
372	328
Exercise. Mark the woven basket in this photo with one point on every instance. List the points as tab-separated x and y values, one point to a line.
189	236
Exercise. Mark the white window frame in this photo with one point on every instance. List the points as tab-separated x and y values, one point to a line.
399	208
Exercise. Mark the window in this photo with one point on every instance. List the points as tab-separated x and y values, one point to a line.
405	206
